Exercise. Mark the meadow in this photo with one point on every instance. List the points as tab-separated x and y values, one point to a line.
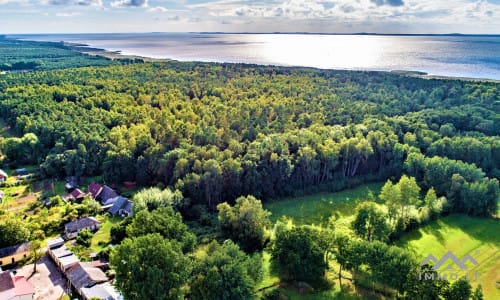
462	235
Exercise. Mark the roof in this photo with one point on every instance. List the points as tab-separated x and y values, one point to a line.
81	224
110	201
6	282
68	261
95	189
22	286
77	193
107	193
16	249
81	276
121	203
14	285
3	173
102	291
61	252
53	243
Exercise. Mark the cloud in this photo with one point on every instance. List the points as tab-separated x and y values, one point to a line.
130	3
65	14
388	2
158	9
74	2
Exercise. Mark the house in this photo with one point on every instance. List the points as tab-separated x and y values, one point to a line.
77	195
3	176
122	207
83	275
62	256
15	287
71	183
72	229
109	202
13	254
106	194
95	189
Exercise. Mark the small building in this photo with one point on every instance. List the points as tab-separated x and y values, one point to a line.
3	176
13	254
71	183
83	275
15	287
54	243
104	291
72	229
95	189
122	207
77	195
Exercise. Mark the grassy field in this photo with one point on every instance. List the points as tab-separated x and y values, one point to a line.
316	209
462	235
103	236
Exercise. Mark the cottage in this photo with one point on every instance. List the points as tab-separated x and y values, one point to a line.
122	207
3	176
77	195
95	189
15	287
104	291
72	229
106	194
13	254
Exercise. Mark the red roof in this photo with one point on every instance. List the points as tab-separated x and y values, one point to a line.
77	193
22	286
95	189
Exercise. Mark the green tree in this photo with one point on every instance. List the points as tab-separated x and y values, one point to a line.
12	232
298	253
370	222
245	222
458	290
153	198
84	237
150	267
225	272
35	252
164	221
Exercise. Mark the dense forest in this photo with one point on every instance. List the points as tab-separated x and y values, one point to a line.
222	138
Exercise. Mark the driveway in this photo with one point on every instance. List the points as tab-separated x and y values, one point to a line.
48	281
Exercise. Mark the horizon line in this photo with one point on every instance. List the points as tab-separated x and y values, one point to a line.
264	32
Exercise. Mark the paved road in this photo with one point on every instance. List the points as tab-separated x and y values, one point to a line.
48	281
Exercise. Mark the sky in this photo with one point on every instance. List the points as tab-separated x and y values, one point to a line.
326	16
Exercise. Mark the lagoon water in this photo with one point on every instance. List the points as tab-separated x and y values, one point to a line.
458	55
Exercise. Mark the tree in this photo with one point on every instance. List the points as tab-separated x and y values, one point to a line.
298	253
35	252
164	221
84	237
150	267
478	293
225	272
245	222
153	198
370	222
458	290
12	232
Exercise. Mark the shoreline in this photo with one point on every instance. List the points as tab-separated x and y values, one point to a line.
116	55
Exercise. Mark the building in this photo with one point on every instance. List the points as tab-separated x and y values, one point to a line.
13	254
121	207
15	287
77	195
103	291
3	175
95	189
72	229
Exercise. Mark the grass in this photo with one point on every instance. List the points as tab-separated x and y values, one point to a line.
102	237
462	235
316	209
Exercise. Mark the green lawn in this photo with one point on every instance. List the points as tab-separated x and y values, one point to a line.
103	235
316	209
462	235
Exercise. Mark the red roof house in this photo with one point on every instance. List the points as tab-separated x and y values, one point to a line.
15	287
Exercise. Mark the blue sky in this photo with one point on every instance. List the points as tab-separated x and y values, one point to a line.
343	16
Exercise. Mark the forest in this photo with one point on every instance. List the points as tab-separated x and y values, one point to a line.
229	137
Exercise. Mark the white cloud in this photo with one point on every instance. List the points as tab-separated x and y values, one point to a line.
158	9
130	3
67	14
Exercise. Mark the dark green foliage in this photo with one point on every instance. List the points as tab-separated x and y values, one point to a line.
225	273
299	253
245	223
119	231
458	290
12	232
150	267
165	222
84	238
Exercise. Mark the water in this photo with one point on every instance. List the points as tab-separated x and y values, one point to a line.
459	56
